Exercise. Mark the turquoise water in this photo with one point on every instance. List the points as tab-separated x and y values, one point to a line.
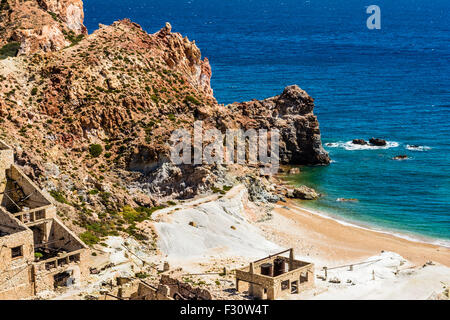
391	83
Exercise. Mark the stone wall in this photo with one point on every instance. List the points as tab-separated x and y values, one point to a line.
36	198
15	273
269	287
20	275
6	160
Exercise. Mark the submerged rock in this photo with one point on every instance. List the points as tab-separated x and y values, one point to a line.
347	200
294	171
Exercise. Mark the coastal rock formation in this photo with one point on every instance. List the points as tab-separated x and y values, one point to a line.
303	193
359	141
377	142
69	12
292	114
40	25
101	108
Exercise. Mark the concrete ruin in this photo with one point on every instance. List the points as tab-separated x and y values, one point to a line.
37	252
275	276
168	289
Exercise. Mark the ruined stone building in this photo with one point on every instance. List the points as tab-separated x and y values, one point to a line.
37	252
275	276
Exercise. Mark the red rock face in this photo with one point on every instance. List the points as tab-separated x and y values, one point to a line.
205	77
41	25
69	11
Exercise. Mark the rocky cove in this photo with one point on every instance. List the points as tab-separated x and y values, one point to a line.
89	117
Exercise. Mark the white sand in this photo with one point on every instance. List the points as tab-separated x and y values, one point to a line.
222	229
390	278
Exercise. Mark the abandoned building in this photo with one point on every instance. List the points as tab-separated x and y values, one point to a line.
275	276
37	252
168	289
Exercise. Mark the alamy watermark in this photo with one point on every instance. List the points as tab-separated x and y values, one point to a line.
251	147
374	20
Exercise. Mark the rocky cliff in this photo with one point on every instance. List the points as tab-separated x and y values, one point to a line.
90	116
29	26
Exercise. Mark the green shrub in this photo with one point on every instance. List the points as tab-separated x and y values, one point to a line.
139	214
74	39
154	98
54	16
93	192
89	238
58	196
9	50
95	150
141	275
217	190
192	100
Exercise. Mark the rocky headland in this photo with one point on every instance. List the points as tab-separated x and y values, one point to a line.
90	115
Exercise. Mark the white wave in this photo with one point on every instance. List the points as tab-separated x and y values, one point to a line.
349	145
417	148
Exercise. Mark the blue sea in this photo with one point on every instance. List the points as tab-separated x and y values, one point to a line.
392	83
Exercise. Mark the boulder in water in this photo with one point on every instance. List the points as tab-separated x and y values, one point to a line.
377	142
305	193
359	141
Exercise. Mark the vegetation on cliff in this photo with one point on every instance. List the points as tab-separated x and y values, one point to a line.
90	116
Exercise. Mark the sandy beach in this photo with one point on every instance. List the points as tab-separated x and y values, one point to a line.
331	243
199	238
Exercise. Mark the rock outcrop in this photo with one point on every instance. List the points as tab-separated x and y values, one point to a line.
90	116
41	25
292	114
359	141
304	193
377	142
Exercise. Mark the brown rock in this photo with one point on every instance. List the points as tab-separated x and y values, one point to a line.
359	141
377	142
41	25
304	193
126	90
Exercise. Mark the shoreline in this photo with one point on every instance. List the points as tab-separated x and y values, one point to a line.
413	237
330	240
283	179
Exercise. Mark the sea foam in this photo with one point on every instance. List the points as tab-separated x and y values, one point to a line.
349	145
417	148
